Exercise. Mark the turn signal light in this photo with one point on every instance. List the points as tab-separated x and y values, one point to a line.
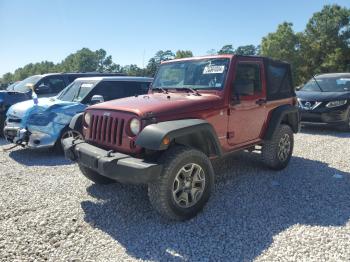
166	140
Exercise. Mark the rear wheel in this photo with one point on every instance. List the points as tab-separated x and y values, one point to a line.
95	177
185	185
276	153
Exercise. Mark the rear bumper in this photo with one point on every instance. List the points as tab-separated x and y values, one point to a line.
120	167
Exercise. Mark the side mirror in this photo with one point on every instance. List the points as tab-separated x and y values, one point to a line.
97	99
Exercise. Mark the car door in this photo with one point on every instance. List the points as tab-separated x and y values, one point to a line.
247	109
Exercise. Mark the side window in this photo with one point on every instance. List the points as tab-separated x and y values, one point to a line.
248	80
109	90
51	85
118	89
57	84
135	88
279	80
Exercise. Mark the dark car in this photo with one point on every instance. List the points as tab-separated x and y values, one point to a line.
326	99
45	85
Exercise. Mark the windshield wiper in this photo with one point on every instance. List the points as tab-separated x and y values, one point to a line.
317	83
189	89
165	91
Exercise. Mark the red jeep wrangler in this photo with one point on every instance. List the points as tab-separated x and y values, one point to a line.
197	109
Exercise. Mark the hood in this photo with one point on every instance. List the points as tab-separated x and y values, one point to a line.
8	98
322	96
159	104
20	110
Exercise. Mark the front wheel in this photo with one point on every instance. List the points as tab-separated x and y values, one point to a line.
185	185
67	133
276	153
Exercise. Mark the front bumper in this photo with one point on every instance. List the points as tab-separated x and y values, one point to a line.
120	167
336	116
33	140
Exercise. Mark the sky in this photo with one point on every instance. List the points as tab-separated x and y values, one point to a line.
133	31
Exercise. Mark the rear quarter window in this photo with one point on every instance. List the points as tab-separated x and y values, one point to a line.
279	80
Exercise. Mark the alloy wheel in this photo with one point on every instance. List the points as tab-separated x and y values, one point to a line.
72	134
188	185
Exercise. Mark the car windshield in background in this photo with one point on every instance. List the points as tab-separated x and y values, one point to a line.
22	86
328	84
12	86
195	74
76	91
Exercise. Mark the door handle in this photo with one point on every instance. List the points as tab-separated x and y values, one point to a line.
260	102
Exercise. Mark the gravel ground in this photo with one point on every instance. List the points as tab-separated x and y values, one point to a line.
49	211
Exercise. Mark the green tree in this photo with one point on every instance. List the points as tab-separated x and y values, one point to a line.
183	53
325	43
132	70
84	60
155	61
7	78
246	50
226	49
105	63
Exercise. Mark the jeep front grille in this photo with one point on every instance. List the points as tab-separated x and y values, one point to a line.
106	129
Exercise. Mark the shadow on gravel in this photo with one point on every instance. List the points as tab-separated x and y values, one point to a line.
324	130
30	157
249	206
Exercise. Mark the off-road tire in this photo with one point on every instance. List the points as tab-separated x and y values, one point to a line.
160	192
270	148
95	177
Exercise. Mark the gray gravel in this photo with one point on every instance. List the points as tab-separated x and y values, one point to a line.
48	211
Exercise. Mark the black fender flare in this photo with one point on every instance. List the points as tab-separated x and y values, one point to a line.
77	122
196	133
285	114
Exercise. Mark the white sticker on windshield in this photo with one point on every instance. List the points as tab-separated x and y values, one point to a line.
87	85
213	69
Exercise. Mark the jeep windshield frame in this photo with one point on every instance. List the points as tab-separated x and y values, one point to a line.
202	74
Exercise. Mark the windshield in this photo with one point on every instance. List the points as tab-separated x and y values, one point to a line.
76	91
21	86
12	86
328	84
195	74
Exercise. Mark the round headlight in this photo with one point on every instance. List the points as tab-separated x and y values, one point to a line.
87	119
135	126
